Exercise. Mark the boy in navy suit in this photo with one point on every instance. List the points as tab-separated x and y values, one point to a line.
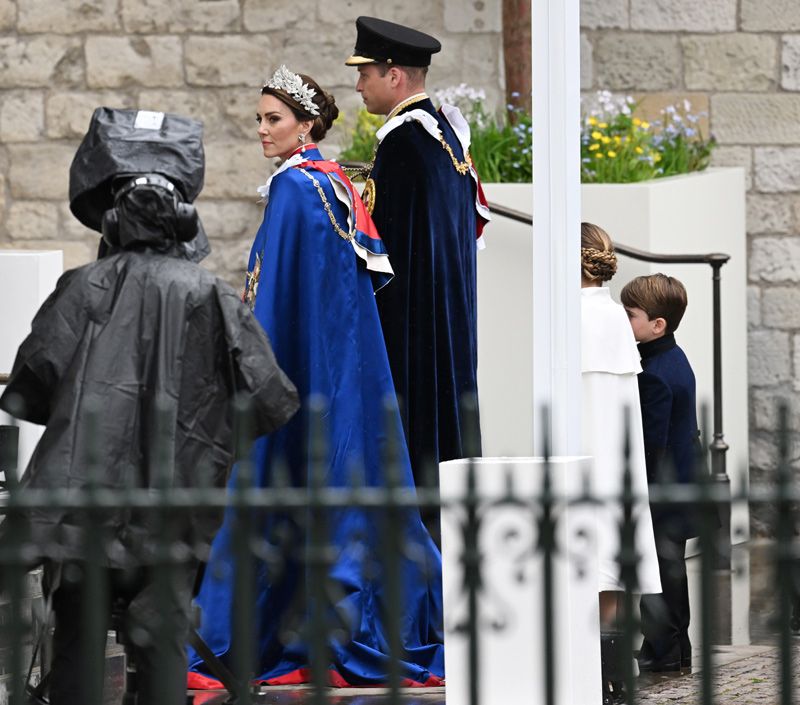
655	305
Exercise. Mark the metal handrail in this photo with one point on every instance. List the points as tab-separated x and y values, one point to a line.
718	447
626	250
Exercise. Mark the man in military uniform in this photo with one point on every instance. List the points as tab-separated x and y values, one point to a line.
423	195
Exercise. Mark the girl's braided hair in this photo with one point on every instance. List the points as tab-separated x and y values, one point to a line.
598	261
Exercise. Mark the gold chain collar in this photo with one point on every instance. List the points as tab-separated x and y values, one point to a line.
461	167
326	204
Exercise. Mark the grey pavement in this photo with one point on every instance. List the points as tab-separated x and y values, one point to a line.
742	675
747	673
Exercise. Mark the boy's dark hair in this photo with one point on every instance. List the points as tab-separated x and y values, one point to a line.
659	296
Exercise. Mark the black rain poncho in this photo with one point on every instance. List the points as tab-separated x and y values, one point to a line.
157	347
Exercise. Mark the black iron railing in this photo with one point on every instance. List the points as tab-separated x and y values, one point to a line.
471	513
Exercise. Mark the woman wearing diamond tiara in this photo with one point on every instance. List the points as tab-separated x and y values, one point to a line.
315	264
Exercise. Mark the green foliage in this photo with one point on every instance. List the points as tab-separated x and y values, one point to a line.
682	146
616	146
617	150
500	149
362	138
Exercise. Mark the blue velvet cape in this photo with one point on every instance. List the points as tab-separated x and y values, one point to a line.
315	300
425	212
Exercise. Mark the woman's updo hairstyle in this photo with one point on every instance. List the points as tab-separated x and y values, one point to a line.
598	261
328	112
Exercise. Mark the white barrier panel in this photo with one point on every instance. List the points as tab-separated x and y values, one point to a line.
26	279
511	642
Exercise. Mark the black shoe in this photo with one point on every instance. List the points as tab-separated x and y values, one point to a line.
667	664
613	693
611	667
608	696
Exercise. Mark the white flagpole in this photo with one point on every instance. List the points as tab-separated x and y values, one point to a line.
556	222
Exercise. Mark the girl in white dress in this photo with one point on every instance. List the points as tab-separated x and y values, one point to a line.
609	365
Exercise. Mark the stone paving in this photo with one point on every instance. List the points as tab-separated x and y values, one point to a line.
745	675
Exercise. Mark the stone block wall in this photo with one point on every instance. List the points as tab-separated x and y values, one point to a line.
740	61
203	58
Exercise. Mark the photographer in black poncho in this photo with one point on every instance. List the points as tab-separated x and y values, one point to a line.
134	361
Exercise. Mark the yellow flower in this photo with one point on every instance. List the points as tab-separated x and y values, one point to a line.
597	135
611	154
606	140
617	139
639	150
637	122
602	125
599	155
656	157
592	121
594	146
645	124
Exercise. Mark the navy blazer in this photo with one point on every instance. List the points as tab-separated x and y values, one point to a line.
669	418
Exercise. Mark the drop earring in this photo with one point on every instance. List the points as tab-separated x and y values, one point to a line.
302	139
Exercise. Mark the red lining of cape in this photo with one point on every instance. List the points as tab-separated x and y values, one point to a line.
197	681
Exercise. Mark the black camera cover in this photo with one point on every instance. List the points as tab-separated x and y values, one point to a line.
129	142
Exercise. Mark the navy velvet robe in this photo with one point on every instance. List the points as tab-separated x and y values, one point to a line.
425	213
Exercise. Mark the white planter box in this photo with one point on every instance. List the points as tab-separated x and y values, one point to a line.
26	279
697	213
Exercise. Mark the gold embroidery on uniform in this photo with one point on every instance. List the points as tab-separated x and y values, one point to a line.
368	196
405	104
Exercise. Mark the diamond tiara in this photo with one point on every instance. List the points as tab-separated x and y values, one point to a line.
285	80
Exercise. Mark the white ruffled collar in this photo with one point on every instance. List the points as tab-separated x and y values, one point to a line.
263	191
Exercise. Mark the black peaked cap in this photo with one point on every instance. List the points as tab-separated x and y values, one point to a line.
380	41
